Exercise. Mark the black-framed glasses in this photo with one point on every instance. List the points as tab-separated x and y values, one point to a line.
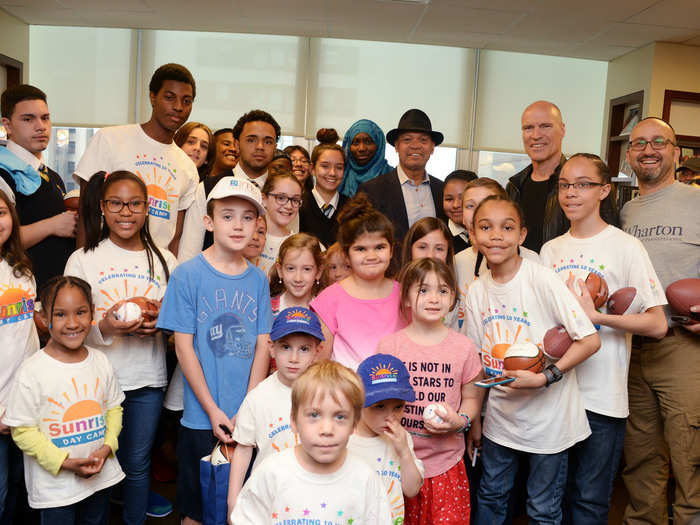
657	143
135	205
583	185
282	199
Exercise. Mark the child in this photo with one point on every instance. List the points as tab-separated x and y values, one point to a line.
294	280
218	305
17	332
592	245
319	212
317	481
121	261
538	415
255	247
444	366
281	197
470	263
336	265
379	438
65	413
455	184
429	237
363	307
263	420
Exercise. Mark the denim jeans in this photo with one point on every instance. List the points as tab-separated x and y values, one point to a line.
545	484
93	510
11	475
142	409
593	465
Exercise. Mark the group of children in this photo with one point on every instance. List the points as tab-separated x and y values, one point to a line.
356	391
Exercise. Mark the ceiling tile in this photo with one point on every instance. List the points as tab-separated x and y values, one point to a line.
695	41
637	35
563	29
671	13
442	18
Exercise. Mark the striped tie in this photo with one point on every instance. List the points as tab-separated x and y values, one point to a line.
44	172
327	210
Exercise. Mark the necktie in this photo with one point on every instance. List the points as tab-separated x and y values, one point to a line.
44	172
327	210
254	183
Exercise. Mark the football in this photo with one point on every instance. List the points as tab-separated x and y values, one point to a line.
598	288
556	342
624	301
524	356
40	320
222	453
72	200
146	304
682	295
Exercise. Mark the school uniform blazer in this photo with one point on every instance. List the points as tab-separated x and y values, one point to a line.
386	196
314	222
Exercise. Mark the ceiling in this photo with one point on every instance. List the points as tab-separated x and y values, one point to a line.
596	29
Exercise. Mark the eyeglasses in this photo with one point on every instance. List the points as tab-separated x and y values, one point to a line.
564	186
657	143
301	161
135	206
282	199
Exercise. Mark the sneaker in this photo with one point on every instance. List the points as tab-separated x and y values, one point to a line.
158	506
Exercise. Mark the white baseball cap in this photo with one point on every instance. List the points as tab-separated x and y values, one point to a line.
234	187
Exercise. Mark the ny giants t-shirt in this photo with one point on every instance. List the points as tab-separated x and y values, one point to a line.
225	314
437	375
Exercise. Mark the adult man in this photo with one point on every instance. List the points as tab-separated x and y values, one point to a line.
689	171
408	193
226	152
664	377
148	150
255	134
535	187
47	229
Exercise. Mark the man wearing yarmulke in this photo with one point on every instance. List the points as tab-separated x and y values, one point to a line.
379	438
664	377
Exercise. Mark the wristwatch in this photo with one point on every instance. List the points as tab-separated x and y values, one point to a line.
552	374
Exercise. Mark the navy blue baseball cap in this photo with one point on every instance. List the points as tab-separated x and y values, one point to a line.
385	377
296	320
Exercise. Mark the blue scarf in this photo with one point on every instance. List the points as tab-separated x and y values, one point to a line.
27	179
354	173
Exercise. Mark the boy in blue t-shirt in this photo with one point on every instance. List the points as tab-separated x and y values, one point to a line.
218	305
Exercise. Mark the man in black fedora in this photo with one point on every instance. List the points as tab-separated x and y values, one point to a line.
408	193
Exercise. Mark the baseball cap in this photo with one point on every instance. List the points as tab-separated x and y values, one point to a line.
692	164
294	321
385	377
234	187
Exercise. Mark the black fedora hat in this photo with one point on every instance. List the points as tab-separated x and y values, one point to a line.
417	121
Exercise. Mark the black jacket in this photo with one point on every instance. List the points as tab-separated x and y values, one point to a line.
313	221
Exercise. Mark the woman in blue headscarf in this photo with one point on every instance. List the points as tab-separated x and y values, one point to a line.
364	146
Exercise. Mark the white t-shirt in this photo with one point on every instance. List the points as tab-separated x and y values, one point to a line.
193	230
263	419
269	254
68	403
169	174
379	454
281	492
175	394
116	274
18	337
465	263
539	420
622	261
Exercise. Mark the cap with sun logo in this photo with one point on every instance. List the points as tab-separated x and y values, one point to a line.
385	377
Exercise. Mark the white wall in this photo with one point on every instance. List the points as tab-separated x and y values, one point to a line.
14	39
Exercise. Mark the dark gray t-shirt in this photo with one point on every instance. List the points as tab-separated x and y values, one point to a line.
667	222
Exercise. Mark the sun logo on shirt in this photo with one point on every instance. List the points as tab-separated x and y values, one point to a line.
115	287
16	304
161	189
498	338
77	417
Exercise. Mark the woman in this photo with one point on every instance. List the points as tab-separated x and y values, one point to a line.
364	146
301	165
196	139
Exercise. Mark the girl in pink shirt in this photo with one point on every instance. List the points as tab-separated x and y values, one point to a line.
444	365
364	307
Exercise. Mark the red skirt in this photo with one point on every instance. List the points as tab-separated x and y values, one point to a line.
443	499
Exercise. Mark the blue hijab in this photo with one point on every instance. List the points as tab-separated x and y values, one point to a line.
354	173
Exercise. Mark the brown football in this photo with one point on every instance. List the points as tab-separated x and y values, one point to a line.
620	302
682	295
40	321
524	356
146	304
72	203
556	342
598	288
227	450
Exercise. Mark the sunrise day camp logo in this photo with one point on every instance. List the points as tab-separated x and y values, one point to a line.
498	336
578	265
118	283
383	374
160	183
281	436
77	417
298	316
16	304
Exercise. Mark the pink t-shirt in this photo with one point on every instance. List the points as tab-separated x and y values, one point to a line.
357	325
437	375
